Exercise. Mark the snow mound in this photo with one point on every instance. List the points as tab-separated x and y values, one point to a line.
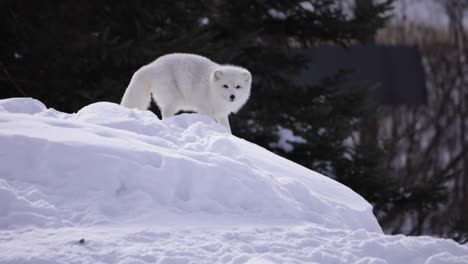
108	163
115	185
21	106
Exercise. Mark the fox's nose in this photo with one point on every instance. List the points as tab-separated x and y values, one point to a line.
232	97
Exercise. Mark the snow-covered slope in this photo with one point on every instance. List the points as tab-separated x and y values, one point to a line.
182	190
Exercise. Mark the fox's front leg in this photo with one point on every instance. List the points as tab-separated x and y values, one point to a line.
225	122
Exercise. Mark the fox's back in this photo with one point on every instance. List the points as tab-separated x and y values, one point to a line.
189	72
184	65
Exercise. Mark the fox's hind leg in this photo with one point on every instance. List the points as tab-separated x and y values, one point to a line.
166	95
168	111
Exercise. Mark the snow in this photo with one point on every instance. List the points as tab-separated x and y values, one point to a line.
204	21
183	190
276	14
18	55
286	137
307	6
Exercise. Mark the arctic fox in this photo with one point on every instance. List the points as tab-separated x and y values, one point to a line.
181	81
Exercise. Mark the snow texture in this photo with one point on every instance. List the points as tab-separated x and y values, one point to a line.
115	185
285	138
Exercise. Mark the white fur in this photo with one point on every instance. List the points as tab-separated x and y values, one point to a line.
189	82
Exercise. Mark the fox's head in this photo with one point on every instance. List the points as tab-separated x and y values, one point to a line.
232	83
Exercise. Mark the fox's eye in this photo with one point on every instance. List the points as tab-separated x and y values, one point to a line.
225	86
238	87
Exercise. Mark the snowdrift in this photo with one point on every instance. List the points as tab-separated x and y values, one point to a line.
118	174
108	163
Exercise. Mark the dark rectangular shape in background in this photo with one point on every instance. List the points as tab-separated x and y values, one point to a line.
398	70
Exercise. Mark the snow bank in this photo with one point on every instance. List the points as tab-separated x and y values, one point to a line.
182	190
108	163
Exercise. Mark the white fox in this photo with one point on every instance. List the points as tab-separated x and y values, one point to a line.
181	81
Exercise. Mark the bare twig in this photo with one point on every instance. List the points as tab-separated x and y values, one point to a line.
11	80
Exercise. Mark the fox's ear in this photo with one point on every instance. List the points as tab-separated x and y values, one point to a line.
217	75
247	77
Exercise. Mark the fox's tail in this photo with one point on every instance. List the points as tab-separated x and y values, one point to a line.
138	92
